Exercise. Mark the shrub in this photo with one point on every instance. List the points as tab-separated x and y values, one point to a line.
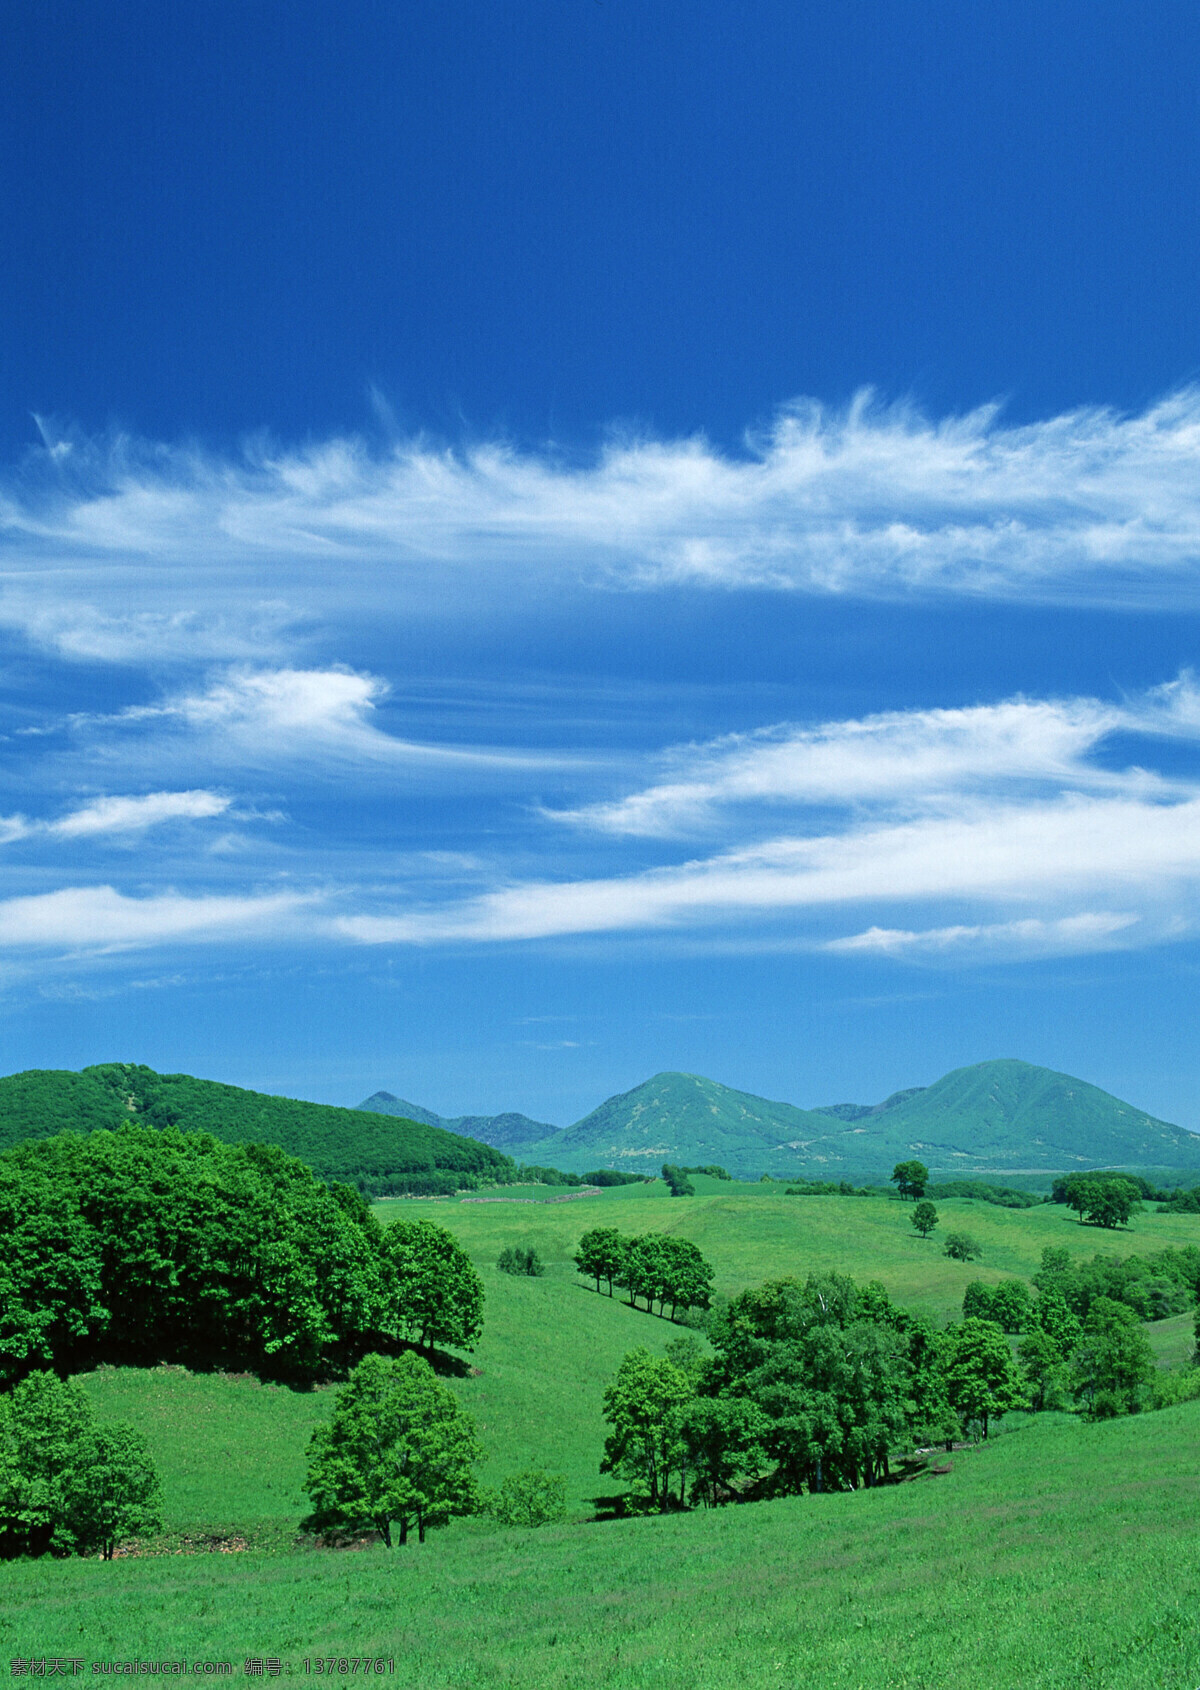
521	1259
531	1498
962	1247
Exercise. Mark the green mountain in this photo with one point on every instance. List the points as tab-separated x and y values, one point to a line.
688	1119
379	1153
498	1130
1002	1117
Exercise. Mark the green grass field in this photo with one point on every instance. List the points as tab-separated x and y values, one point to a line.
1061	1554
753	1232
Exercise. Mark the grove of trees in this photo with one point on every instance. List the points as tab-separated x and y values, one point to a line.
148	1245
655	1266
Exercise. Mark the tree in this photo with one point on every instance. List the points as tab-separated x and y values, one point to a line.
1106	1200
910	1179
435	1295
1053	1316
961	1247
642	1405
1012	1305
1112	1364
924	1217
1045	1369
398	1450
601	1254
521	1259
977	1301
677	1179
724	1439
982	1379
67	1482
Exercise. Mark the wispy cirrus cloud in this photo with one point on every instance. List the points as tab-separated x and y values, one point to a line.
222	555
118	816
90	918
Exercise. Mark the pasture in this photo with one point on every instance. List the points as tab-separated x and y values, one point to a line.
1060	1554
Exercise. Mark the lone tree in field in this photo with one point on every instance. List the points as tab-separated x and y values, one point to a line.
925	1217
601	1254
436	1297
910	1179
1105	1200
961	1247
399	1450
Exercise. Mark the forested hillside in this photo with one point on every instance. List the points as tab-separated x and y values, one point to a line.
380	1154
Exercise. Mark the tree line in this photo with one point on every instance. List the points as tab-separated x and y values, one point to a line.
653	1266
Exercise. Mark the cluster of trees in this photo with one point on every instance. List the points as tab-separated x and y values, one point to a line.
826	1188
910	1179
655	1266
69	1484
521	1259
811	1386
1107	1200
677	1180
147	1245
983	1191
529	1173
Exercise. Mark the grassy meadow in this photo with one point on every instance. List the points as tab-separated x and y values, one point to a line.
1060	1554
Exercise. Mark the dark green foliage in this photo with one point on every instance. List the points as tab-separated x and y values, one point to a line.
826	1188
676	1178
1183	1202
724	1443
1154	1286
521	1259
67	1482
532	1498
601	1255
531	1174
661	1267
982	1379
711	1170
607	1177
642	1405
1009	1304
1112	1364
961	1247
146	1245
398	1450
377	1154
1106	1200
434	1294
910	1178
983	1191
924	1218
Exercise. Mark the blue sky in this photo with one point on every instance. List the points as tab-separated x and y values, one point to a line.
547	542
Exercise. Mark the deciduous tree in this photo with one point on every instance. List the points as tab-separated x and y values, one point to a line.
398	1450
435	1295
910	1178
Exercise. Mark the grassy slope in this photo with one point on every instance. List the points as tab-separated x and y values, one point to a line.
751	1233
1069	1548
1058	1557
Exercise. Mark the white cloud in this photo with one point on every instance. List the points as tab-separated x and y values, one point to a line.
84	918
1090	930
118	815
911	757
134	815
1054	852
218	555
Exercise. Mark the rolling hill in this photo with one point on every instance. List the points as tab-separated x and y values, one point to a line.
378	1153
498	1130
1001	1117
